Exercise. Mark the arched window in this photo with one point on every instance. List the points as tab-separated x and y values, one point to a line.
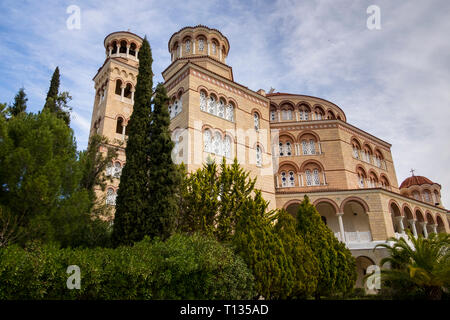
427	196
284	182
214	47
111	197
132	49
119	125
123	46
227	147
384	183
256	120
361	177
114	47
221	108
127	91
304	112
207	141
281	149
202	101
229	115
188	45
201	44
416	195
288	149
212	105
272	115
309	178
217	144
109	169
258	156
316	179
117	170
291	179
287	114
308	147
118	89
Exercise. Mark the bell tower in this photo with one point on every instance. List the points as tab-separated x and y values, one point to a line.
115	84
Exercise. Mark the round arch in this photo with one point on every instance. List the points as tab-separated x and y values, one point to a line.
306	162
355	199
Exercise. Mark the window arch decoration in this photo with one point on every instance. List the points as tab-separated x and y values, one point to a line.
217	106
111	196
256	120
215	143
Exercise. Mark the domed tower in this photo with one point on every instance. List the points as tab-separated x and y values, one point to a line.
205	46
114	84
212	116
422	189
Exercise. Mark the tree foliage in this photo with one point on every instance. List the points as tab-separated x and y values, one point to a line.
40	190
300	257
417	268
132	197
337	273
164	176
57	102
212	198
20	103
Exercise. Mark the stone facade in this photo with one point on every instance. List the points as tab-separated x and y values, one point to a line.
294	144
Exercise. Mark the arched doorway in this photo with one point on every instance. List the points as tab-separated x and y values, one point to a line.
328	212
362	263
440	225
293	209
356	221
396	217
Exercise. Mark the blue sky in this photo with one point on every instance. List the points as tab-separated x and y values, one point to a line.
393	83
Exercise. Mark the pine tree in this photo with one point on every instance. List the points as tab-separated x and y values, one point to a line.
56	102
132	197
337	272
164	177
20	103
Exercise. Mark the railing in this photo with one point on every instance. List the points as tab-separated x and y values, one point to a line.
358	236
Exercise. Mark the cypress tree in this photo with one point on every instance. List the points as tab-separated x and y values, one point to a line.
57	102
337	273
164	178
52	94
20	103
132	197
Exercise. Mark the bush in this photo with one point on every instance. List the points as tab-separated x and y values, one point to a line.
182	267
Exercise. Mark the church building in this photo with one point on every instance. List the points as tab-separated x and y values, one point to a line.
293	143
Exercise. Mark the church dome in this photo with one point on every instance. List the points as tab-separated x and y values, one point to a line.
415	181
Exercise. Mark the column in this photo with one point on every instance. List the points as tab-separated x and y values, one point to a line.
424	228
207	43
296	115
434	226
341	226
320	147
301	179
132	95
122	92
128	50
279	115
324	179
180	47
136	56
220	54
400	224
276	178
110	51
412	222
123	132
193	46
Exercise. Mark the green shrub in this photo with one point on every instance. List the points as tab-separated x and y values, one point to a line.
182	267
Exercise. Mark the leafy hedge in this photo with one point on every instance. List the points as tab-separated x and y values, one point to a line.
182	267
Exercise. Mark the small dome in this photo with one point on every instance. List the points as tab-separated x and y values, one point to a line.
415	181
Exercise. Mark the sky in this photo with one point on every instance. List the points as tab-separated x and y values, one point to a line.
393	82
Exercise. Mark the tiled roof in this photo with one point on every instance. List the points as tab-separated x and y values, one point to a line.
415	181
